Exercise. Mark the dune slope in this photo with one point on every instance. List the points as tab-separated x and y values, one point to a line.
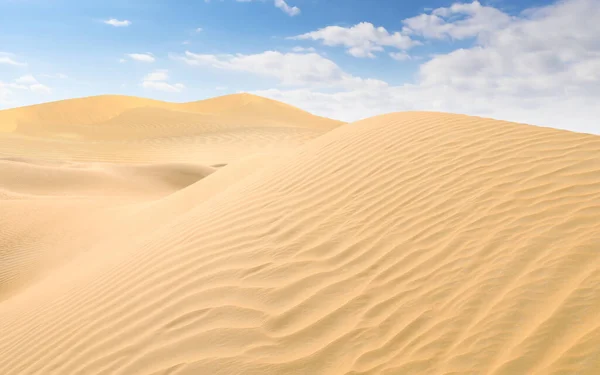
412	243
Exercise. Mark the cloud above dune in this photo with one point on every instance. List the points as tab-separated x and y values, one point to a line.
157	80
29	82
26	83
361	40
290	69
540	67
459	21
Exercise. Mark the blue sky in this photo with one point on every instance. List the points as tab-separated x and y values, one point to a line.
529	61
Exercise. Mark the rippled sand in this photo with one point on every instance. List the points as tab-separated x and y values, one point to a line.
243	236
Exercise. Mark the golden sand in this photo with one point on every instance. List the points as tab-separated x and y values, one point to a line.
243	236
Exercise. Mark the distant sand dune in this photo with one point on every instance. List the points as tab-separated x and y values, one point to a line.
409	243
94	110
121	129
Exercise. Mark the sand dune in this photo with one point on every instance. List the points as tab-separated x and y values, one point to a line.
121	129
410	243
95	110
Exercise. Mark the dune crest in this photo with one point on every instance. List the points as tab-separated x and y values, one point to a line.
409	243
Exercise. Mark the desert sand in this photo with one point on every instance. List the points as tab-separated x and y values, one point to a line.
239	235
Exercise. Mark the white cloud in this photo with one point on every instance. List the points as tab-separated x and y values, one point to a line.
289	10
295	69
548	51
25	83
459	21
281	4
9	59
541	67
117	23
400	56
157	80
40	89
199	30
143	57
163	86
361	40
157	75
26	80
299	49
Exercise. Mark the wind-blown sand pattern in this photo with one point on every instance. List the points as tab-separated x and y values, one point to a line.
409	243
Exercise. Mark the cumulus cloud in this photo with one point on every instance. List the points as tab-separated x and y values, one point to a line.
547	51
157	80
143	57
292	69
361	40
459	21
117	23
540	67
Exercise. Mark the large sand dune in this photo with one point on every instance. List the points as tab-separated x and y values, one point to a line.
409	243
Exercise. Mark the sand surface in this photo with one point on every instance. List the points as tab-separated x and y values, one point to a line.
239	235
